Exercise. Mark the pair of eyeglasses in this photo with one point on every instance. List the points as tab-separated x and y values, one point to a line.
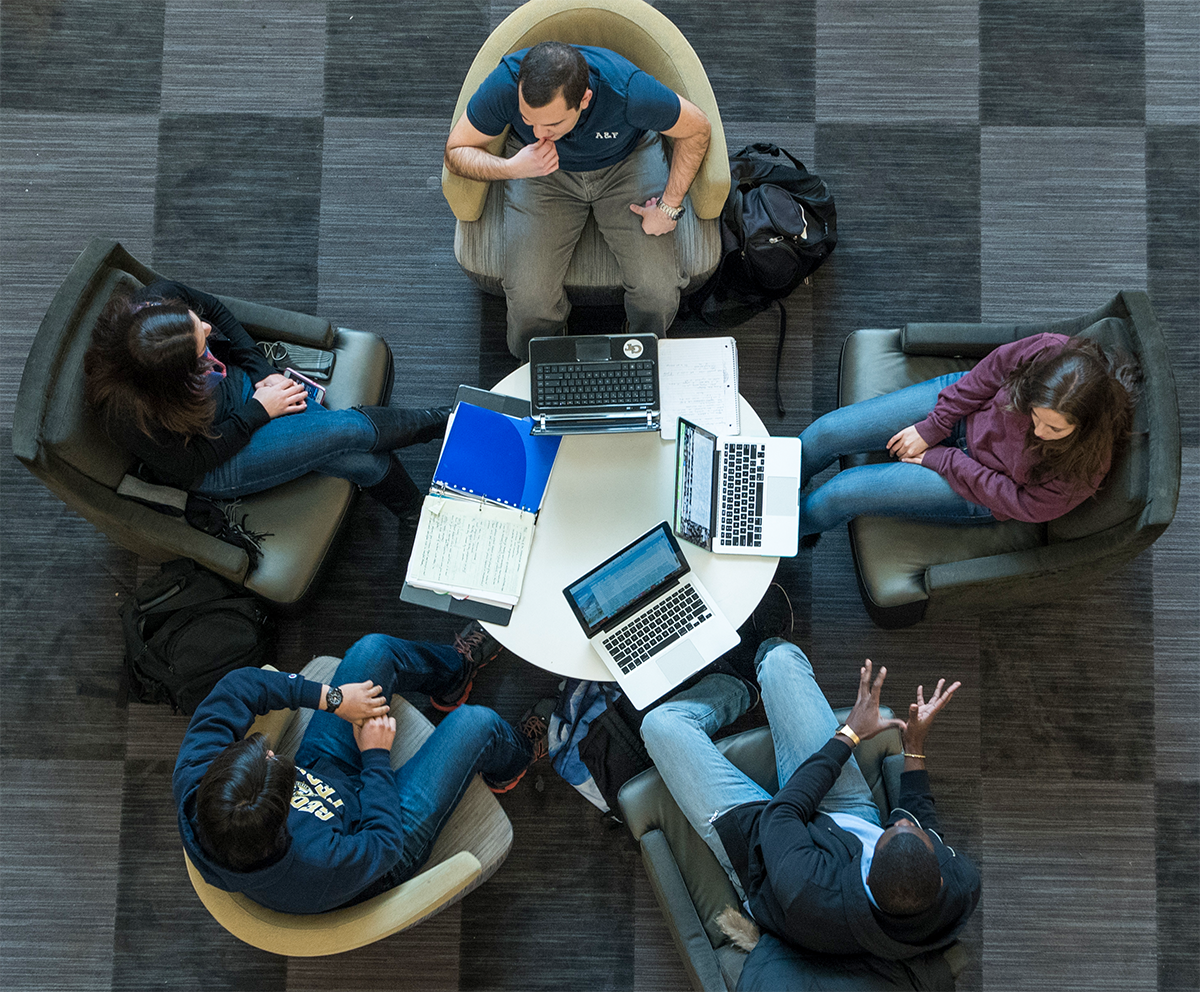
276	351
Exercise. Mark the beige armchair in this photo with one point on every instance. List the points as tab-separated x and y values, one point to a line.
472	845
648	39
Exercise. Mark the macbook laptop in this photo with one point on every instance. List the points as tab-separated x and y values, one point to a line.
737	495
651	621
594	384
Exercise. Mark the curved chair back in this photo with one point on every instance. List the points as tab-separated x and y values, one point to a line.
631	28
473	844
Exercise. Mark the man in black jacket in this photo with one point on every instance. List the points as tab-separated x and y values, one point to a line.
814	864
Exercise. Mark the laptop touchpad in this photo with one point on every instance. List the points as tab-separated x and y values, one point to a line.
680	661
781	495
592	349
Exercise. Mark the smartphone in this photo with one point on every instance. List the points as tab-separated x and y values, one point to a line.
315	393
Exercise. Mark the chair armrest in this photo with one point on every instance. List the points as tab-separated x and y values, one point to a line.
691	940
338	930
266	323
1026	564
146	532
468	196
957	340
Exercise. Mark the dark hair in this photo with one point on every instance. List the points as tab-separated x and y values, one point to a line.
905	875
242	805
550	67
142	366
1092	390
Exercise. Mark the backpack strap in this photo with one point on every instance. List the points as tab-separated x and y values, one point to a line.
779	357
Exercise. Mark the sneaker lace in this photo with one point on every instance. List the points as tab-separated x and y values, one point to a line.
465	645
537	730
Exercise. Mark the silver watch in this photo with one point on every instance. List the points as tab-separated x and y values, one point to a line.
673	212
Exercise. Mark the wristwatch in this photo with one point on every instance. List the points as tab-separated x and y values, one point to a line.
333	698
845	731
673	212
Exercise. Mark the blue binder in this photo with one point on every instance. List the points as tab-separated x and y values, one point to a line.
492	456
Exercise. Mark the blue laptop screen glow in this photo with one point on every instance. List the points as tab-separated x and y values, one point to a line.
626	578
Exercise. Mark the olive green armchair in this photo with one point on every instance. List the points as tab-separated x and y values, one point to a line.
689	883
910	570
60	441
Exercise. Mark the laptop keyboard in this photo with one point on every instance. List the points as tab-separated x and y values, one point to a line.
742	495
573	384
668	621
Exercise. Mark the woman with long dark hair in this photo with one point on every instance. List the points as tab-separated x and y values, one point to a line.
178	382
1027	434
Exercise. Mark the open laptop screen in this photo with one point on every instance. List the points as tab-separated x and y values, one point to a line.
626	579
695	453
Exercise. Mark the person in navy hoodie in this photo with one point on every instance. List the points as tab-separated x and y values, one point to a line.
586	126
337	825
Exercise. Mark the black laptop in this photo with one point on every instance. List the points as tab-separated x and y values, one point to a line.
594	384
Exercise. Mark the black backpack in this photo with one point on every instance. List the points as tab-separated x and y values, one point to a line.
185	629
778	225
613	750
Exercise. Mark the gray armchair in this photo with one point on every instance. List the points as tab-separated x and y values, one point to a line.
689	883
910	570
59	441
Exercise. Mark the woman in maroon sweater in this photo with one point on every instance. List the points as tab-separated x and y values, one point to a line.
1028	434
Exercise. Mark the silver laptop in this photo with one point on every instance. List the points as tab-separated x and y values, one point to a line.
737	495
651	621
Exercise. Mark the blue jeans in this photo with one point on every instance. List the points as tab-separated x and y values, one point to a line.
543	219
890	489
469	739
329	442
704	784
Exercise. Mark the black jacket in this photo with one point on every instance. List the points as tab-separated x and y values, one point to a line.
182	461
802	872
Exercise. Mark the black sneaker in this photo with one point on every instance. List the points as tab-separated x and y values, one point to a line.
772	617
535	725
477	647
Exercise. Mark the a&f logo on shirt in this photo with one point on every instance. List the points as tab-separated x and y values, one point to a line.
303	796
601	135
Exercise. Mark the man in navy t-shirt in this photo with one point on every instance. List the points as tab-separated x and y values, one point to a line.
585	136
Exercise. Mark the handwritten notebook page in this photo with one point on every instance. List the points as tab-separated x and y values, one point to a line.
471	550
698	379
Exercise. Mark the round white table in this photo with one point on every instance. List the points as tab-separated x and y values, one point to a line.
606	490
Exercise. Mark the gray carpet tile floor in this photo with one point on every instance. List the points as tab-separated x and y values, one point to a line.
991	159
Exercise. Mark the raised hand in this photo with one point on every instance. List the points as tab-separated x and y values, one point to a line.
864	718
921	714
379	732
361	701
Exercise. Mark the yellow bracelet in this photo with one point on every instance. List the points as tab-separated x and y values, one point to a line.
909	754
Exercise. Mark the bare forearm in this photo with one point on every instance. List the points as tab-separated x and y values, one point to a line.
686	158
477	163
